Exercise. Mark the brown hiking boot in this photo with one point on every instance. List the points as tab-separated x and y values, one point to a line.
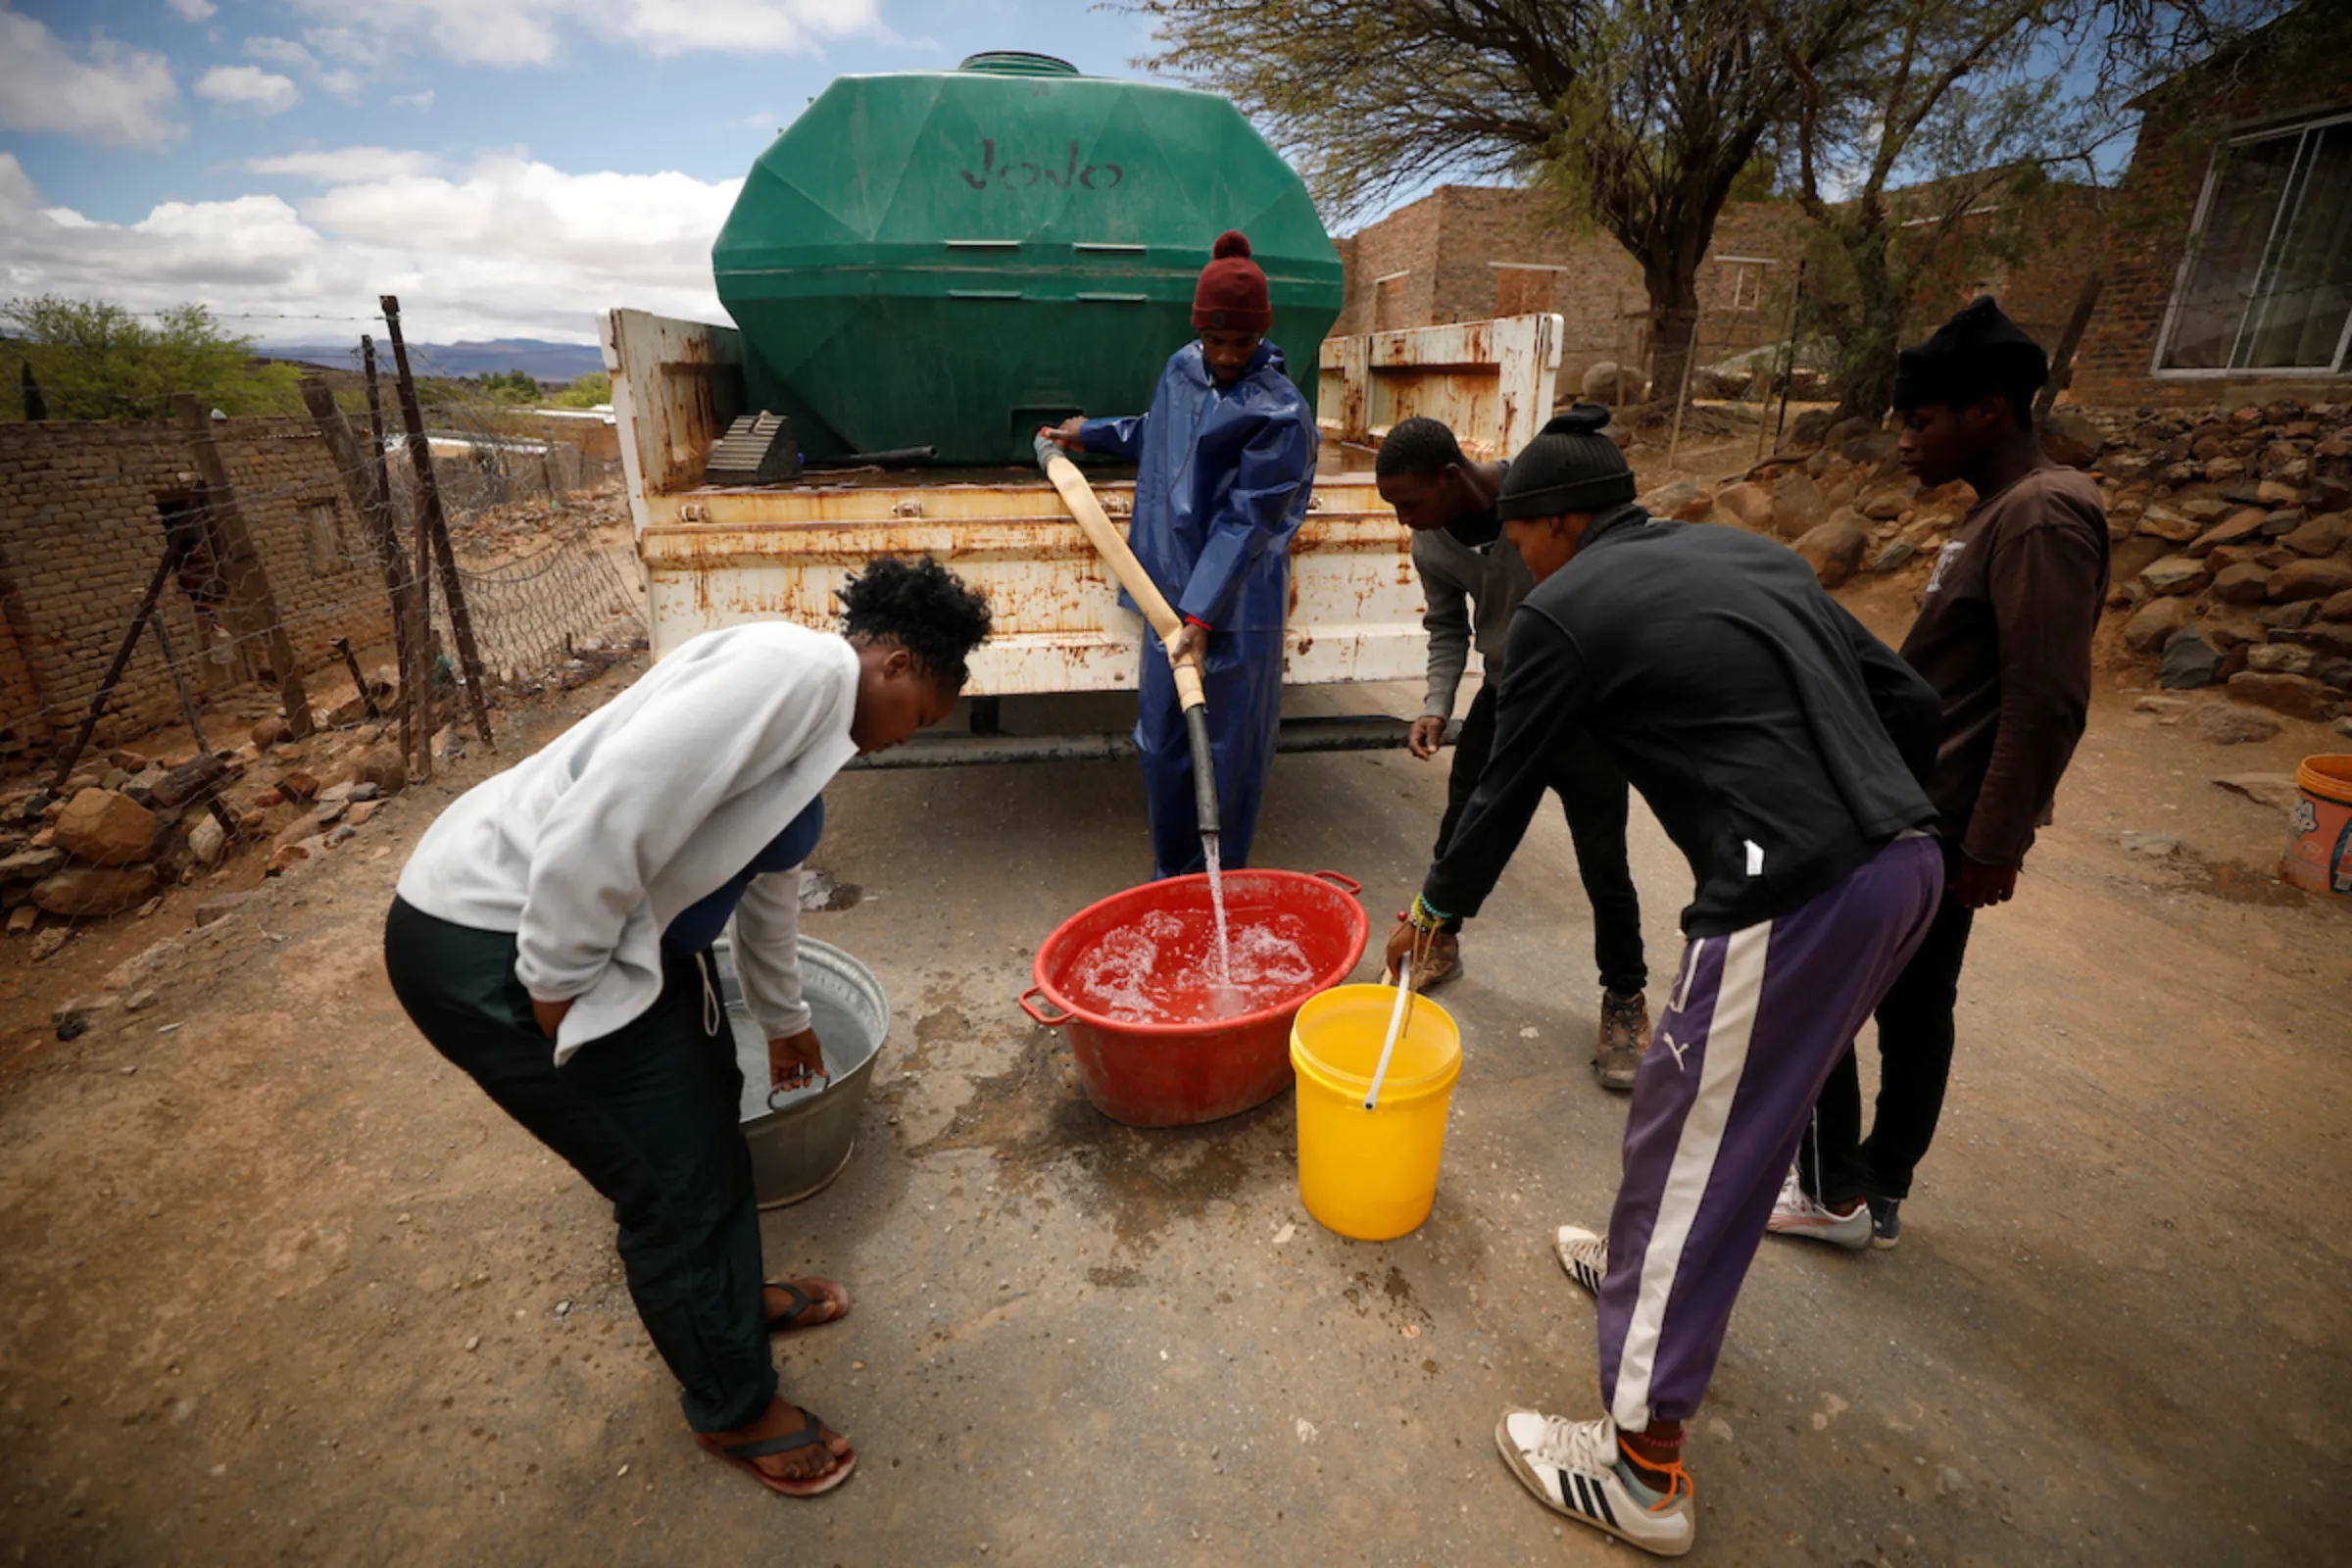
1624	1038
1440	963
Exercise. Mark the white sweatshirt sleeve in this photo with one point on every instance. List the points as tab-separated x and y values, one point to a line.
767	954
641	795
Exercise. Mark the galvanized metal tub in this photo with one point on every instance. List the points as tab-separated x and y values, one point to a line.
804	1139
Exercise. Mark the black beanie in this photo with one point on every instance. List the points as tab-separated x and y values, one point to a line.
1978	353
1569	467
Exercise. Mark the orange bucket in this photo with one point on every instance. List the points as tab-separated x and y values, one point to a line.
2319	837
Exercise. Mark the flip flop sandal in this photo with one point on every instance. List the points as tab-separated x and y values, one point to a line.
811	1435
802	1303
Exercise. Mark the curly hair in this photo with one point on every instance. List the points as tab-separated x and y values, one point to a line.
1419	446
923	608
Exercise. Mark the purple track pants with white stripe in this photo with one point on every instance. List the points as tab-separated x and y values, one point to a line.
1757	1019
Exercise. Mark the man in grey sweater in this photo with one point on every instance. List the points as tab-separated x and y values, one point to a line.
1473	580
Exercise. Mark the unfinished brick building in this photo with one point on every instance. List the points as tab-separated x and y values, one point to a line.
2229	267
1464	253
86	511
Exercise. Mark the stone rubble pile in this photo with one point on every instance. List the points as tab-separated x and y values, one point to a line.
128	827
2230	535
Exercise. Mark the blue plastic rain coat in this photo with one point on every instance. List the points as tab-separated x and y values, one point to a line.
1223	483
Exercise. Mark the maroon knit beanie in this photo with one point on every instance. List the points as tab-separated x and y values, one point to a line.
1231	296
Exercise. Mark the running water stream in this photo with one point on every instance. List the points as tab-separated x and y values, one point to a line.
1212	848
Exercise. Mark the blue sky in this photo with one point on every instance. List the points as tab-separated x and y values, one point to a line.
506	166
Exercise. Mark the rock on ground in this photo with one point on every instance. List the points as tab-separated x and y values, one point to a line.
105	827
2296	696
1833	549
2153	623
1748	501
2244	583
93	890
2068	438
382	766
2227	725
2310	579
2176	574
2276	790
192	780
1609	382
2190	662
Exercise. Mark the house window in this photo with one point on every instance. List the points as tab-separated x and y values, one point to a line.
1387	301
323	532
2266	284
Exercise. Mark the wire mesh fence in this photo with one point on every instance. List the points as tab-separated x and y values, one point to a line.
532	613
100	516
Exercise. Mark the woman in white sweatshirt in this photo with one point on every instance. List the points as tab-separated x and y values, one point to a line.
550	938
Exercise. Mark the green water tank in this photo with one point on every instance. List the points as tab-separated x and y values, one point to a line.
949	259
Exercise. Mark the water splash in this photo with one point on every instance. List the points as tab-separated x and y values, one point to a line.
1157	969
1212	851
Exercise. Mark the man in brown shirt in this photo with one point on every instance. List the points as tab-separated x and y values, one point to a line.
2003	635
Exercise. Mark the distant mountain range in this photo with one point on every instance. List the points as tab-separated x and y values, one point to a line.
551	363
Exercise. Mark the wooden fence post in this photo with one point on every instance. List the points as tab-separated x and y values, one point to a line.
2062	362
433	528
416	672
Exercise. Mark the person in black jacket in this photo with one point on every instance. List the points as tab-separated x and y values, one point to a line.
1782	748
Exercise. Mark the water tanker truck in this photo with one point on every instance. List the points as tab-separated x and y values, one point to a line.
926	266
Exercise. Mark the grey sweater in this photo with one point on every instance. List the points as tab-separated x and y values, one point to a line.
1469	592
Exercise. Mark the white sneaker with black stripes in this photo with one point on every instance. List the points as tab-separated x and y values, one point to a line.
1572	1466
1585	1255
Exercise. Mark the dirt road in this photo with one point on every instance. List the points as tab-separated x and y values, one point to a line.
281	1287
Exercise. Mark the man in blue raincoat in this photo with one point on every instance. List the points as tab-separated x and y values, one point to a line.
1227	461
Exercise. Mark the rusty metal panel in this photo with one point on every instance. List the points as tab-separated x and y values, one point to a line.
716	556
675	385
738	556
1492	382
1340	398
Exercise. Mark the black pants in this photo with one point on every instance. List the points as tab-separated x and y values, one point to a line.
1596	800
1835	1164
650	1114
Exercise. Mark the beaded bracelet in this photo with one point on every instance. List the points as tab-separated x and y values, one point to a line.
1422	917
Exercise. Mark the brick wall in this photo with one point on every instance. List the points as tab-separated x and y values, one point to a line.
2297	70
81	529
1448	245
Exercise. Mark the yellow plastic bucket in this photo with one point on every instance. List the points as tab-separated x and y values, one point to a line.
2319	838
1371	1174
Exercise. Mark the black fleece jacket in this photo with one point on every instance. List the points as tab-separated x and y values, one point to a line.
1780	743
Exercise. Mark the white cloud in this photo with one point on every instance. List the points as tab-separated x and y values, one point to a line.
530	32
281	51
422	101
249	88
106	92
195	10
509	247
350	44
346	165
296	56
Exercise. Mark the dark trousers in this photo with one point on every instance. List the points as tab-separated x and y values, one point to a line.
1749	1032
1836	1164
1597	799
649	1115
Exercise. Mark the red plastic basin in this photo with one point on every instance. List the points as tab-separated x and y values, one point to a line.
1175	1075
